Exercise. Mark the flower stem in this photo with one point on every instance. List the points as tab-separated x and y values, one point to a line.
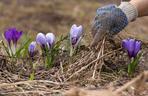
71	51
32	75
132	66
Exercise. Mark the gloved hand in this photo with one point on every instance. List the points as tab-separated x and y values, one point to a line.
111	20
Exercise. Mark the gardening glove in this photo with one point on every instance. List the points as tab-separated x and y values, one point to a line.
112	19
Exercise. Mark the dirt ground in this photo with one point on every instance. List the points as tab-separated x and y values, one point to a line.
57	16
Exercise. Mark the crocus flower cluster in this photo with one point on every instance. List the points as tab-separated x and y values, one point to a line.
48	40
76	33
12	35
45	41
132	46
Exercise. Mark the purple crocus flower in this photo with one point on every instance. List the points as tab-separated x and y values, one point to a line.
31	49
41	40
132	46
75	34
12	34
50	38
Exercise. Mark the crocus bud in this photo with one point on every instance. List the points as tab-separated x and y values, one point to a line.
41	40
12	34
31	49
132	46
76	33
50	38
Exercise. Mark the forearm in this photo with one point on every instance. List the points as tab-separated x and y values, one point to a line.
142	7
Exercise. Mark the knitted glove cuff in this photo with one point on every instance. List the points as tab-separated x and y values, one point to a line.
130	10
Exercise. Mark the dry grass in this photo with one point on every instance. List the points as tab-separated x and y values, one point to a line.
89	69
135	87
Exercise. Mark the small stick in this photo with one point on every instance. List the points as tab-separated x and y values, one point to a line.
102	55
99	54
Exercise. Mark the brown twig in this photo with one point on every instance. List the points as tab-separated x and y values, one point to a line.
100	53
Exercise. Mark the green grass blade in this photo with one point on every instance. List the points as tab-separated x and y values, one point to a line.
23	50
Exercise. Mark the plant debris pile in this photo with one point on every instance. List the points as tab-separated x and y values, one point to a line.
88	68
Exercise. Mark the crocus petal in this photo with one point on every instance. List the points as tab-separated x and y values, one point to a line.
18	35
75	33
124	44
50	38
8	36
73	27
31	48
41	39
130	47
137	48
80	28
